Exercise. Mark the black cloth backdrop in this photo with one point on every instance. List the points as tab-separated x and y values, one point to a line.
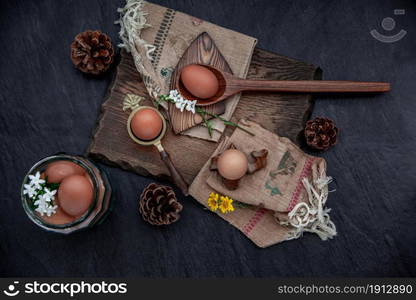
46	106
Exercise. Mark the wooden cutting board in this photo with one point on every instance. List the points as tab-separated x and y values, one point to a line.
284	114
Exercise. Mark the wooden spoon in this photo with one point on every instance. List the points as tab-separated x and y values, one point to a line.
230	85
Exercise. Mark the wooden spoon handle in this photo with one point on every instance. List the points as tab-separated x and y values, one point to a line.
311	86
177	178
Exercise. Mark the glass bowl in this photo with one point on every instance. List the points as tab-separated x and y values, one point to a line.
98	209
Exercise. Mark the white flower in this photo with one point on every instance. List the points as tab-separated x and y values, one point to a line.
44	205
177	100
174	94
180	103
46	198
29	190
190	106
35	180
44	202
40	202
49	195
50	210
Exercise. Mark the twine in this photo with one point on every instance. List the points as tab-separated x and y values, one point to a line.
313	216
132	21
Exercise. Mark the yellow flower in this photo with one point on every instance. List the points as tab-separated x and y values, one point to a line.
226	204
213	201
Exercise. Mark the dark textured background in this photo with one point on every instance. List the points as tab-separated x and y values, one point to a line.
47	106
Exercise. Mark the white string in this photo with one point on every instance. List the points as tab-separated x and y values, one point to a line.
313	216
132	21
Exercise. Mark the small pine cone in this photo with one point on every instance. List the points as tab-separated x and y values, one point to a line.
321	133
92	52
158	205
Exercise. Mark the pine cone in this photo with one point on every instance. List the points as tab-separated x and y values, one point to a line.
158	205
92	52
321	133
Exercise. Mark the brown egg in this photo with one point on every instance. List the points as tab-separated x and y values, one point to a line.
59	218
232	164
146	124
199	81
75	195
58	170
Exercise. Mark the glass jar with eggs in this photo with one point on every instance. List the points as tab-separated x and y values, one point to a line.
66	193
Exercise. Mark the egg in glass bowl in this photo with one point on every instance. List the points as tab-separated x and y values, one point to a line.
66	193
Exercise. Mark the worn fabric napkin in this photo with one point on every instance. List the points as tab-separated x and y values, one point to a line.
281	201
158	36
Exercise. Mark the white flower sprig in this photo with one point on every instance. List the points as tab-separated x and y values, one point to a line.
182	103
36	181
42	194
190	105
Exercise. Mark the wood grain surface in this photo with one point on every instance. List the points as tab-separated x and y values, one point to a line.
284	114
201	51
234	85
230	85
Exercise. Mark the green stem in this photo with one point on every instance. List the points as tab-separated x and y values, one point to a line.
203	112
207	124
226	122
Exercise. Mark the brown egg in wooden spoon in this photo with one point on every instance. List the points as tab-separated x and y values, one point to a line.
200	81
198	84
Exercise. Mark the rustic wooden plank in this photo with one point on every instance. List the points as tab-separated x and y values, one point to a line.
283	114
112	145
